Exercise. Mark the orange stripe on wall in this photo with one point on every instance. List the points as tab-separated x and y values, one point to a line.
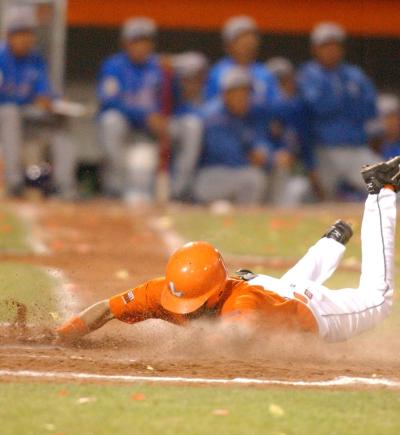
369	17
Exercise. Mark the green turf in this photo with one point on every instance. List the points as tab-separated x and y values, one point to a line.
31	286
13	234
285	234
53	408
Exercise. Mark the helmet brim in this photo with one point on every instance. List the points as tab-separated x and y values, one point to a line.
179	305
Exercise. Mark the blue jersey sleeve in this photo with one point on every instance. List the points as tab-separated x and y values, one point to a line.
367	105
42	87
211	88
5	96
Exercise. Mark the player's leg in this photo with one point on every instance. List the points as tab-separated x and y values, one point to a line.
249	185
213	184
342	314
88	320
11	139
187	135
357	158
328	170
113	131
323	258
64	160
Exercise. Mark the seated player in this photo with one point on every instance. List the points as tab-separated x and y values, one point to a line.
341	100
241	39
26	106
186	126
236	150
135	93
197	284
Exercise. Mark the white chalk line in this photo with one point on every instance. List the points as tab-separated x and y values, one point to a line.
28	213
341	381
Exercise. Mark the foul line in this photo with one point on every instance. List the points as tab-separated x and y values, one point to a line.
340	381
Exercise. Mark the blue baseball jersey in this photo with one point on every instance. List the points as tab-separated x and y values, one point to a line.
390	149
265	85
293	113
340	101
188	108
130	88
228	139
22	79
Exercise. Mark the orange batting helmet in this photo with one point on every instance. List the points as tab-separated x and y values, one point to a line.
194	273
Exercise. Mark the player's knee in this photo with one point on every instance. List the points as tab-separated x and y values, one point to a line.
9	112
193	126
114	120
254	181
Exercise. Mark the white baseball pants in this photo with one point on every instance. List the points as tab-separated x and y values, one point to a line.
342	314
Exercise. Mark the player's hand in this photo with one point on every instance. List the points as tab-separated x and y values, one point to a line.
158	124
258	157
43	103
284	159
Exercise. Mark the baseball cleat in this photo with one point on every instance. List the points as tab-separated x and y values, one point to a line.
340	231
381	174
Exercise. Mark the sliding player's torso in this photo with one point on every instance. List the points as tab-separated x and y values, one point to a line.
237	301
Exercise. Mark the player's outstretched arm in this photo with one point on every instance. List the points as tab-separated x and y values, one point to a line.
88	320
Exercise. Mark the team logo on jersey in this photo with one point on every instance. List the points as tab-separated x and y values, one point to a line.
110	86
308	294
128	297
174	291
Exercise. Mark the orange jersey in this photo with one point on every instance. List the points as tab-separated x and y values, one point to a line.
238	301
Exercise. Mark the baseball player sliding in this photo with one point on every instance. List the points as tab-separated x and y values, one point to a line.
197	284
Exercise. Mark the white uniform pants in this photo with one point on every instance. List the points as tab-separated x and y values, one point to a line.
342	314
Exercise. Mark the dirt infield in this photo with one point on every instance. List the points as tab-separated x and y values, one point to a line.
104	248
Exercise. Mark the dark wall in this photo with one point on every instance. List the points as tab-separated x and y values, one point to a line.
88	46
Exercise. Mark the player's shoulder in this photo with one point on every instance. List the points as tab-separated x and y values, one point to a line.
310	68
115	60
213	112
261	70
238	286
221	66
238	292
353	71
3	50
37	59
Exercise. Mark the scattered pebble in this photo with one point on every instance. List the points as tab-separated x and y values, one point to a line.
122	274
83	248
220	412
150	368
351	262
138	396
164	222
221	208
83	400
276	410
54	315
